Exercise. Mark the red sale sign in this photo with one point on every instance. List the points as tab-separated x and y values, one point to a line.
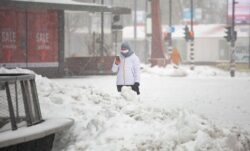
28	38
12	35
43	36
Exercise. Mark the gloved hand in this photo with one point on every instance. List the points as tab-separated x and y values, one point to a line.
137	84
135	87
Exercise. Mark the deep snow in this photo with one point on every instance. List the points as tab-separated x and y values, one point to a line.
203	110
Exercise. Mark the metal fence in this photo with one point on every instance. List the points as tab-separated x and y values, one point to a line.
19	104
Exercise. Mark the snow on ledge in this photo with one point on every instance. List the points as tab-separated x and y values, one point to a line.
25	134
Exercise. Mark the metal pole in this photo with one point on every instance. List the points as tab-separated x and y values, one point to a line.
145	29
27	39
232	61
192	39
192	15
26	103
116	48
61	18
102	31
35	100
17	107
170	28
11	109
135	23
227	13
249	46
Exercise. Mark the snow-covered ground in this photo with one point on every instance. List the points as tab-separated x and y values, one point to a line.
179	110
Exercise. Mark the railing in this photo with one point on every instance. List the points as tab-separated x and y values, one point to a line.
19	104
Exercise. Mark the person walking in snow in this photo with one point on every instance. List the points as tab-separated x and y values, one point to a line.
127	67
175	58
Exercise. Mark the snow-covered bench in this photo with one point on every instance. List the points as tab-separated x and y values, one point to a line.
21	124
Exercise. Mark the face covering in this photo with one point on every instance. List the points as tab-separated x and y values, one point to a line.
124	51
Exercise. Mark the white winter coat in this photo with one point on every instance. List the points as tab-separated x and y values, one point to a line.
128	70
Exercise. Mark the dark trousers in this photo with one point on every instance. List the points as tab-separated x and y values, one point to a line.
134	88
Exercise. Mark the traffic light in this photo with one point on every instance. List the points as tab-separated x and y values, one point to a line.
116	18
116	25
228	36
186	33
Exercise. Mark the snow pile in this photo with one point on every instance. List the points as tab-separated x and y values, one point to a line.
124	122
104	122
129	95
16	70
165	71
184	70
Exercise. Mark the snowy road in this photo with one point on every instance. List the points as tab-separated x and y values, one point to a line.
222	99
